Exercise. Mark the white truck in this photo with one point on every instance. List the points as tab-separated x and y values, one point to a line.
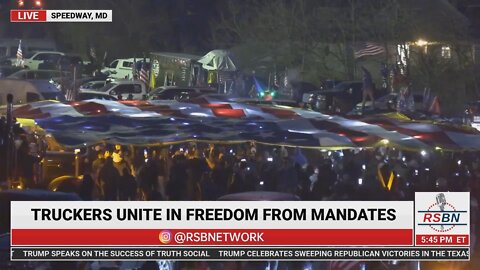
122	68
125	88
26	91
34	59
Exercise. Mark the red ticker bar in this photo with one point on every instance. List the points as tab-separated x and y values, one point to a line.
222	237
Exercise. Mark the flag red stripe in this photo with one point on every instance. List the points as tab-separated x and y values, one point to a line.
369	49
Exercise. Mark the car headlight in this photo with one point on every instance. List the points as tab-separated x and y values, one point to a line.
321	98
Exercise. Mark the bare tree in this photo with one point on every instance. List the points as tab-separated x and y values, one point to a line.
135	29
288	33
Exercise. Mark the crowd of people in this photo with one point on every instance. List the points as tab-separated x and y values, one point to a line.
200	171
189	172
206	172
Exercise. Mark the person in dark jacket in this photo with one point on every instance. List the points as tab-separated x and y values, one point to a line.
109	179
237	183
176	187
128	186
323	186
86	188
147	177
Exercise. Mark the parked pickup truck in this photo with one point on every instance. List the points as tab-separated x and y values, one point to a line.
122	68
125	88
34	60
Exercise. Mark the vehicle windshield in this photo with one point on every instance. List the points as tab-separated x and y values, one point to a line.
342	85
106	87
53	96
7	71
387	98
17	75
85	96
93	85
46	75
158	90
29	55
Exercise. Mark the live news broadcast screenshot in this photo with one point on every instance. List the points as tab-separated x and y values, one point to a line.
239	134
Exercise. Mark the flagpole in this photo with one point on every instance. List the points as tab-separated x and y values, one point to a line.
74	83
269	79
8	138
134	68
275	79
104	58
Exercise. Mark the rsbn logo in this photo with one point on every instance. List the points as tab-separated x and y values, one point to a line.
441	216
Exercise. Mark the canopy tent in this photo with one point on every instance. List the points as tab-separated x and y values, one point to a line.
219	60
214	120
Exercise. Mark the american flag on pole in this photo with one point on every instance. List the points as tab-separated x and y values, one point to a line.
70	95
368	49
134	69
275	76
19	54
144	72
104	58
93	53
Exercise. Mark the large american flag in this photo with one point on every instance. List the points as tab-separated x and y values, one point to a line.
144	72
211	119
367	49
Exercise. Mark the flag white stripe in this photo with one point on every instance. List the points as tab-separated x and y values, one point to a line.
369	49
144	75
19	54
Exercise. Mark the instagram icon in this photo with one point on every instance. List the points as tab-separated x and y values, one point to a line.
165	236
